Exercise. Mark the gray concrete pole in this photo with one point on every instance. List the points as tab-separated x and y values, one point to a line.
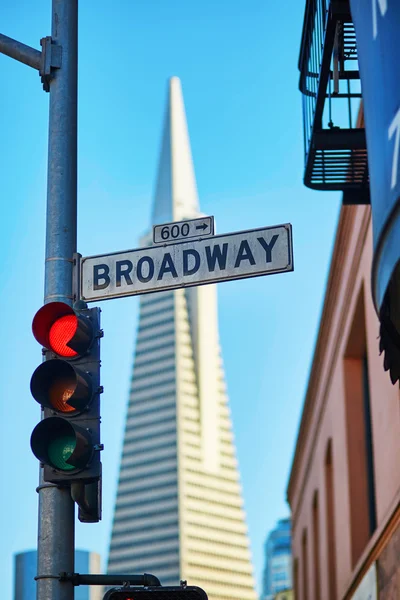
56	508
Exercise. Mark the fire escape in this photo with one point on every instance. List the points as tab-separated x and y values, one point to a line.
334	135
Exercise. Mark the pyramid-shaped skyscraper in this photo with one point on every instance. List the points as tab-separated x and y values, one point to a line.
179	511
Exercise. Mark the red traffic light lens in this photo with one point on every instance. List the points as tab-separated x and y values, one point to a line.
59	328
61	332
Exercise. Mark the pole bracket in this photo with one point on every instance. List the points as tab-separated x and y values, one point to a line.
51	59
88	498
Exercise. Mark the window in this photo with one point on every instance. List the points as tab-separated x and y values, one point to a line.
305	565
369	448
296	578
316	566
359	436
330	518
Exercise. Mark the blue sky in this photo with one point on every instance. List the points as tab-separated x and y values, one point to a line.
237	60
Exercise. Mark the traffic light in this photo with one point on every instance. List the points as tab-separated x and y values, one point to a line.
156	593
67	386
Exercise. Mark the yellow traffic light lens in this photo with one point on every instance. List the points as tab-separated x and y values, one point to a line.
59	451
60	391
61	332
58	385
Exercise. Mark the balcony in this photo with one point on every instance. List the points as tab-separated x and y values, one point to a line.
334	136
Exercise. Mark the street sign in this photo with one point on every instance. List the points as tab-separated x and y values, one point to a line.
183	230
209	260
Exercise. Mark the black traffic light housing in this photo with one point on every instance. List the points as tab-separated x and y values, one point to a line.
156	593
67	385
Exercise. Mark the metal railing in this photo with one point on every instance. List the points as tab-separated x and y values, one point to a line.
334	144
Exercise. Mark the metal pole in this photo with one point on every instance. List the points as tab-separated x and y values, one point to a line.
21	52
56	508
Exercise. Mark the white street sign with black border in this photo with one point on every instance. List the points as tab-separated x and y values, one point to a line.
183	230
226	257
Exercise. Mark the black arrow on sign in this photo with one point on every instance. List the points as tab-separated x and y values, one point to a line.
203	226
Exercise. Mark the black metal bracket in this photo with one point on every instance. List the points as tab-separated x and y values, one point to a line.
357	196
88	498
76	276
146	579
51	59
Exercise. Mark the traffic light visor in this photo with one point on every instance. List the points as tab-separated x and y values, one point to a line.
60	329
157	593
60	444
58	385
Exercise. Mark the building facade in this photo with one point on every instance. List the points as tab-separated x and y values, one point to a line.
25	570
344	486
179	511
278	560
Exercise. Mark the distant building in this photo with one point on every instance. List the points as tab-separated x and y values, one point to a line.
284	595
278	560
179	510
25	569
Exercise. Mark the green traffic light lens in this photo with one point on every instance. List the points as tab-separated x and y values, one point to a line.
60	450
